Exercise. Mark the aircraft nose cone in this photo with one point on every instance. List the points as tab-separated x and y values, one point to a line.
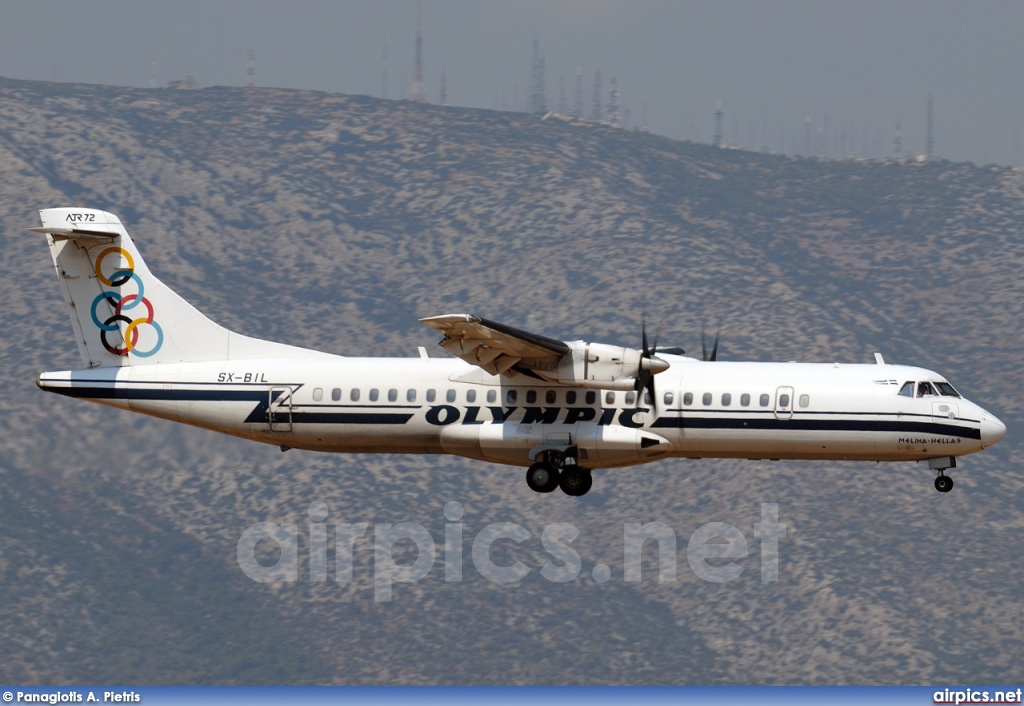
992	430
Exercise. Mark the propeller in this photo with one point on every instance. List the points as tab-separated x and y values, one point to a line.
714	349
650	364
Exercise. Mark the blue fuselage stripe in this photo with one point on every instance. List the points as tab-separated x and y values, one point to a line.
260	397
771	424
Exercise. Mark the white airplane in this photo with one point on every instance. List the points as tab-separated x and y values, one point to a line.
560	408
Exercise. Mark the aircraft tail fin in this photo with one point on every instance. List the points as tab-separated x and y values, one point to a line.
121	313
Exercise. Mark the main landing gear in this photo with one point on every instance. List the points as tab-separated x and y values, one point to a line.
553	472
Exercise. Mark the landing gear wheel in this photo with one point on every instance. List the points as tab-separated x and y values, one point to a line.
542	477
576	481
943	484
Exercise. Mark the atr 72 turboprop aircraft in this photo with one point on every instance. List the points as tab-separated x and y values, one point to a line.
561	408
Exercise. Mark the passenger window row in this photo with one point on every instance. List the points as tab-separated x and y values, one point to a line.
726	400
531	397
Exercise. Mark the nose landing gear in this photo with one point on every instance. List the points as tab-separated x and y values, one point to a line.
555	472
943	483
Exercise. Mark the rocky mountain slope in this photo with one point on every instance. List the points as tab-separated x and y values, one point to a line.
333	222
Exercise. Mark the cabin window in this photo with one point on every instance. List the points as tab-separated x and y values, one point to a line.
630	398
591	397
907	390
354	395
531	397
392	395
374	394
946	390
431	395
647	397
688	399
763	401
336	394
925	389
805	401
669	397
491	395
726	399
570	397
784	401
550	397
410	395
744	400
450	395
470	395
609	398
318	394
510	396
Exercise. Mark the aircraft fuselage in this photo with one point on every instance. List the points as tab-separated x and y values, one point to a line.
436	405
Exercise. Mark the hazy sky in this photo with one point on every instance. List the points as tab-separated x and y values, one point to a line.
774	65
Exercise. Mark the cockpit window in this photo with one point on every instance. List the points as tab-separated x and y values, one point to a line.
925	389
907	390
946	390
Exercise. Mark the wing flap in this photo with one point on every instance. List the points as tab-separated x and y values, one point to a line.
495	347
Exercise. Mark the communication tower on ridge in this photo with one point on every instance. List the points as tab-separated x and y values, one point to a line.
384	72
613	104
929	143
419	89
577	105
250	69
538	101
719	114
897	139
444	85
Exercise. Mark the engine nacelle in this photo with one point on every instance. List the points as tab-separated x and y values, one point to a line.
601	365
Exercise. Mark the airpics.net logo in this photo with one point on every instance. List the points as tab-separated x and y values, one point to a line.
968	697
712	550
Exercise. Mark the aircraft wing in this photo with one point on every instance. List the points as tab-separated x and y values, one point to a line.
495	347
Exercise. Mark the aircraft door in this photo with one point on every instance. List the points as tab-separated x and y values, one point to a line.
945	410
279	409
784	403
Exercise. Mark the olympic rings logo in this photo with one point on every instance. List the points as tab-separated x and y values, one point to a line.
122	304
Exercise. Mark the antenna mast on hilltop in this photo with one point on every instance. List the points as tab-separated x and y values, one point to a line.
419	89
577	105
613	104
250	69
929	143
719	114
897	139
444	85
538	101
384	72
